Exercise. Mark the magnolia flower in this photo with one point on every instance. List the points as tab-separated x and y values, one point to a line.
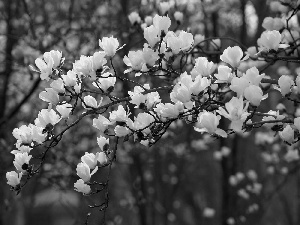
285	83
38	134
208	122
121	131
13	178
98	60
178	17
119	115
58	86
149	55
64	110
162	23
270	23
151	34
23	134
21	161
134	18
80	186
254	95
89	159
134	59
224	74
50	96
102	158
70	79
45	66
105	82
252	75
252	52
56	57
148	20
200	84
83	66
202	67
109	45
232	56
169	110
142	121
288	134
46	117
238	85
103	143
181	93
21	149
236	112
165	7
269	40
91	102
83	171
101	123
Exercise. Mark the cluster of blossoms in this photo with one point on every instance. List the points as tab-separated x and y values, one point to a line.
201	93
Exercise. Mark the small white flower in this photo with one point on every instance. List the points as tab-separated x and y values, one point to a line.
285	83
90	102
101	123
103	143
178	17
288	134
46	117
13	178
21	161
134	18
50	96
89	159
109	45
233	56
64	110
80	186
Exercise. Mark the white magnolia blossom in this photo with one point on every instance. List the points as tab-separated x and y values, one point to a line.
109	45
106	82
64	110
83	171
46	117
119	115
80	186
224	74
13	178
269	40
21	161
101	123
233	56
202	67
58	86
90	159
254	95
169	110
285	83
178	17
90	102
270	23
288	134
50	95
103	143
208	122
134	18
70	80
236	112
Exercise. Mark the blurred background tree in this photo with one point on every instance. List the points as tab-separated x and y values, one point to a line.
187	178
